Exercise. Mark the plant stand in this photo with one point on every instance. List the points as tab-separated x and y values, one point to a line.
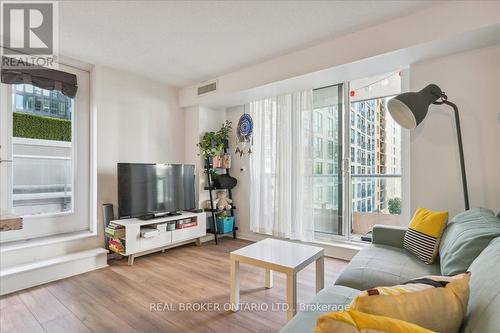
213	209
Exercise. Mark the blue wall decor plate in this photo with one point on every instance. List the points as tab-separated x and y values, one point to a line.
245	126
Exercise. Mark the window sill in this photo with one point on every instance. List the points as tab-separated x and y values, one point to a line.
48	240
353	242
335	247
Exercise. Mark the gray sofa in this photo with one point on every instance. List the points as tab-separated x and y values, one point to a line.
385	262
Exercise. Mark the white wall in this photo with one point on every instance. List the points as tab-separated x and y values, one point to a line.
199	120
472	81
241	193
138	120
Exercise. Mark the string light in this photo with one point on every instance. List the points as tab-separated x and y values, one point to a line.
368	86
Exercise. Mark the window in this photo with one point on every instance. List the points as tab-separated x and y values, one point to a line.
19	102
330	194
41	183
378	151
41	180
371	149
38	104
62	108
331	127
331	150
318	122
318	194
318	168
30	103
45	105
318	147
331	168
327	181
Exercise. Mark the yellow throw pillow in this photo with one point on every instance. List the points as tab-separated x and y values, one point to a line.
424	234
352	321
438	303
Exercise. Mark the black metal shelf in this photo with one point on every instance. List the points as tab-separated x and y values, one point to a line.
216	210
210	231
213	210
213	188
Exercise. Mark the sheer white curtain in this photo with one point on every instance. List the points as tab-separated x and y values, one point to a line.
281	167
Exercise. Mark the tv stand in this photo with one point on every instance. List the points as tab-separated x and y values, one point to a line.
157	216
136	245
174	214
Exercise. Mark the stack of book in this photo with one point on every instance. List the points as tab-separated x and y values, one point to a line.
183	224
116	235
115	230
117	245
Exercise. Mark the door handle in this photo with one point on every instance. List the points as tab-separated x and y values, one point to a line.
1	160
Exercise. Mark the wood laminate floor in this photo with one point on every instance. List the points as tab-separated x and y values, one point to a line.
155	295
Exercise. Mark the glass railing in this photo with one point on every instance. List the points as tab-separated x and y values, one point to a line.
327	218
41	184
379	202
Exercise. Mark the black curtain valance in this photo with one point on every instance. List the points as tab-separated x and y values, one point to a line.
41	77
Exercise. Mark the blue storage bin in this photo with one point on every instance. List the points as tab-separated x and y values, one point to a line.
225	224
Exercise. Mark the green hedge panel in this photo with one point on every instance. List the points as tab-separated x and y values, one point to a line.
39	127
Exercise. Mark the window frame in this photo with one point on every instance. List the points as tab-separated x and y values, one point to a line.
349	140
83	217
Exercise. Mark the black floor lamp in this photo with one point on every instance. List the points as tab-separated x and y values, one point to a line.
409	110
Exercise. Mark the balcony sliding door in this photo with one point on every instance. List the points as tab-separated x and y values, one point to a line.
327	160
375	159
356	158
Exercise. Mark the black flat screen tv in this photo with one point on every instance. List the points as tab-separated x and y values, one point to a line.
152	189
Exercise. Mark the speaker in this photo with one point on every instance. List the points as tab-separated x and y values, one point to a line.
107	213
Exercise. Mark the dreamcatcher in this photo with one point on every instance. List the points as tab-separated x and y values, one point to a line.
244	133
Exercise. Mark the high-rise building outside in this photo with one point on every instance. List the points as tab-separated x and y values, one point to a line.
41	102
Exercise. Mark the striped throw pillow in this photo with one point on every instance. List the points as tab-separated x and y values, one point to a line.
424	233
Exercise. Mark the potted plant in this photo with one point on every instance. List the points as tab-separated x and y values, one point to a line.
212	143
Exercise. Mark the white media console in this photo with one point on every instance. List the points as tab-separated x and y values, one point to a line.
136	245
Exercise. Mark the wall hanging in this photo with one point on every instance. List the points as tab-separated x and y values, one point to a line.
244	133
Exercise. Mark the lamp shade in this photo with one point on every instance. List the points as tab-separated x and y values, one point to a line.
409	109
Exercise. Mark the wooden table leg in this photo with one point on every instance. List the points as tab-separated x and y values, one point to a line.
235	285
269	278
291	294
320	274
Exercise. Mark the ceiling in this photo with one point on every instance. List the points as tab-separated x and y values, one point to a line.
186	42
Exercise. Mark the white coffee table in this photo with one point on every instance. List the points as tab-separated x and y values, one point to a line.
281	256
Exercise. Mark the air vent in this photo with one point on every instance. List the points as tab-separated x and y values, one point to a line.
207	88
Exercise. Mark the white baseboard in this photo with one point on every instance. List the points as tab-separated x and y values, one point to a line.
32	274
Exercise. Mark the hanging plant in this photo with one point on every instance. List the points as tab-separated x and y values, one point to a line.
212	143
